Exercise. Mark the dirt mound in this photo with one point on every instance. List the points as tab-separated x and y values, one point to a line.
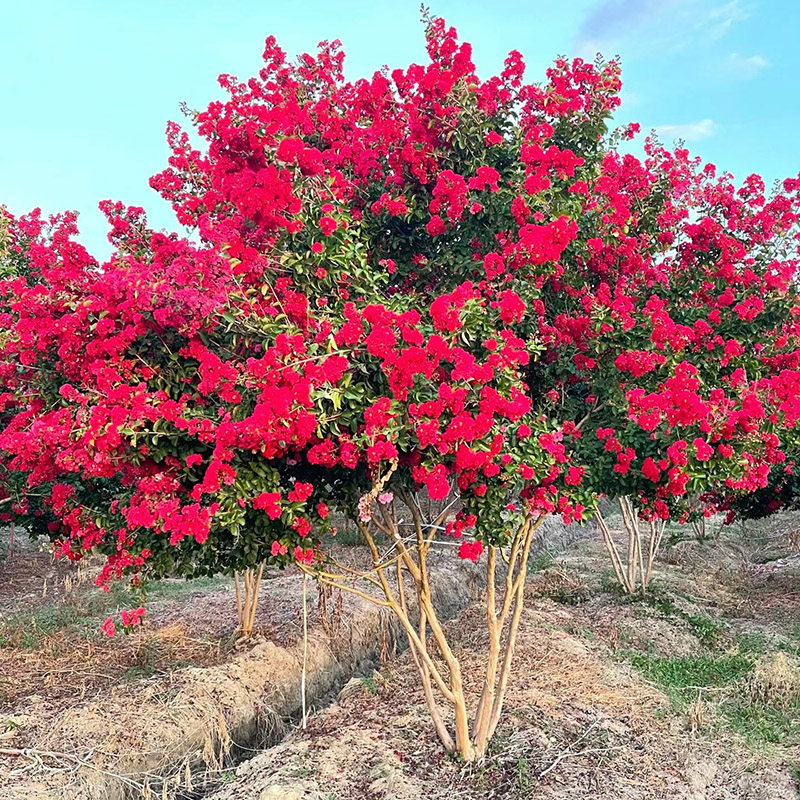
686	694
659	698
192	722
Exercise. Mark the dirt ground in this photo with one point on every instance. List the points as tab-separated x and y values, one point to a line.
674	696
581	720
52	650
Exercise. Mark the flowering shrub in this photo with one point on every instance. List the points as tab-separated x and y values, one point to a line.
121	427
444	306
781	493
684	345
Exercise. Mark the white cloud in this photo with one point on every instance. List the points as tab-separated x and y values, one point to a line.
721	18
745	66
610	21
656	26
629	99
689	132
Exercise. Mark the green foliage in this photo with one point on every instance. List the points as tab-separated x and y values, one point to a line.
682	676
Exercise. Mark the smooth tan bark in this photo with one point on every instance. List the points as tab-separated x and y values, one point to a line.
635	572
407	559
248	585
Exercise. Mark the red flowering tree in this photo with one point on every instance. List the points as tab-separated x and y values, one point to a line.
462	196
684	346
408	301
30	246
121	423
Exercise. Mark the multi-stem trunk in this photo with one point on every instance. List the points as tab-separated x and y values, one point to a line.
401	574
634	569
248	584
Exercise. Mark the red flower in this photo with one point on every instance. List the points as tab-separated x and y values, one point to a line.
470	551
437	483
436	225
328	225
279	549
703	450
301	492
650	470
269	502
304	556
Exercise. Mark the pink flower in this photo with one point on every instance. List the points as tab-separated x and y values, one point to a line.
364	510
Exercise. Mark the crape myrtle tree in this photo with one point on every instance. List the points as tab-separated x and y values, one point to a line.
682	347
353	320
782	493
463	194
397	289
354	310
123	424
30	247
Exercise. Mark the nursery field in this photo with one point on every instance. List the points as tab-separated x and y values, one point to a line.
445	446
691	692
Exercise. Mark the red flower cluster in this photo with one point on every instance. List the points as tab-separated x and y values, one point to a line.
425	273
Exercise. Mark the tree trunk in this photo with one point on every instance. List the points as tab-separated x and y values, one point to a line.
634	571
248	584
407	558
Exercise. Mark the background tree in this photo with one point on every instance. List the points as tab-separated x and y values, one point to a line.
682	344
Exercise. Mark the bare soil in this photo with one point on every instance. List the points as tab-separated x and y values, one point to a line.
581	721
83	716
589	712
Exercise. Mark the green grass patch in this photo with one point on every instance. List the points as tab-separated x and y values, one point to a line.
756	643
80	613
677	674
709	632
541	562
172	588
29	631
762	723
723	677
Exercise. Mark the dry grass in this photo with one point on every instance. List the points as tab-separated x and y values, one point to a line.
581	719
775	680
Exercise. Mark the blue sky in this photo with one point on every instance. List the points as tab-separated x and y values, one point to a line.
89	85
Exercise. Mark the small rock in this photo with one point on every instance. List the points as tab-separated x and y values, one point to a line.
282	792
700	774
773	784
